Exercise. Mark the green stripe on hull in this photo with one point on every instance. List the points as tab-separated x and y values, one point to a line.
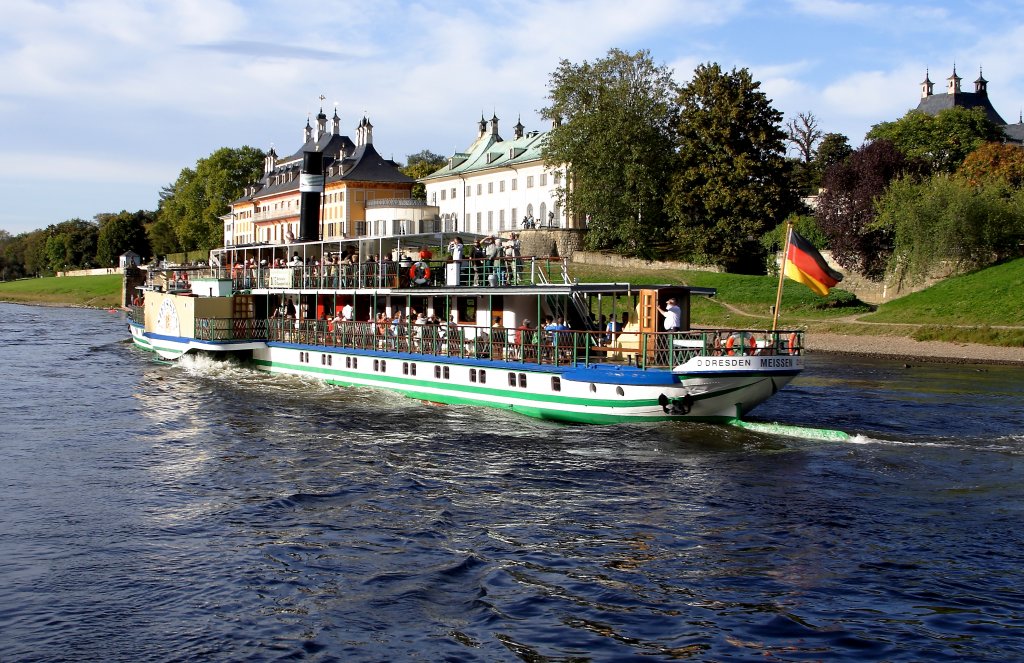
542	406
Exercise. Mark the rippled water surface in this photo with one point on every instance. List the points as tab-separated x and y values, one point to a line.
207	512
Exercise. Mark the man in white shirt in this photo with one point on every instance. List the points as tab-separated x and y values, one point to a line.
672	314
346	312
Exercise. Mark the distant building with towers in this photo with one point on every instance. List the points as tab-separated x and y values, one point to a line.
362	190
954	96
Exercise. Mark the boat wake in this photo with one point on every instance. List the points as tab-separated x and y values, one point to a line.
1011	444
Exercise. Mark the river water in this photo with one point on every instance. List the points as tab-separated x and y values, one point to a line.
204	511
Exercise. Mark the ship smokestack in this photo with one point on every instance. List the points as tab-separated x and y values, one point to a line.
311	185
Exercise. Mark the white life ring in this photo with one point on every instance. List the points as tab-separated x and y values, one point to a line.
419	273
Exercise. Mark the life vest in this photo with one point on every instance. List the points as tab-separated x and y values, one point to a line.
419	273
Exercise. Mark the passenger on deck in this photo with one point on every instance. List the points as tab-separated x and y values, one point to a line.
672	315
524	340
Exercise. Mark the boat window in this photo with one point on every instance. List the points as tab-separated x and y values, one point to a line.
619	391
511	379
472	375
412	369
593	388
522	380
376	365
383	366
556	383
405	368
437	372
447	376
355	362
483	376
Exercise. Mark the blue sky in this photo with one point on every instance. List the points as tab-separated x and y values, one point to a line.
103	102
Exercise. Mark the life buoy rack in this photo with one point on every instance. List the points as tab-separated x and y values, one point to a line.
419	273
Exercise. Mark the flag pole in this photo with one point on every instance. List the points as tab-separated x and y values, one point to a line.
782	274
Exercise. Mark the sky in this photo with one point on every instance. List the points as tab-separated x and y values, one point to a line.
103	102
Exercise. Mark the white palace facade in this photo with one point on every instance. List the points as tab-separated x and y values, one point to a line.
498	185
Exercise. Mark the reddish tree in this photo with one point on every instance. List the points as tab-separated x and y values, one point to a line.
994	162
846	207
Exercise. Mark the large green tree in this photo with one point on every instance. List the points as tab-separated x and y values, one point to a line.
946	222
71	245
200	196
731	181
121	232
614	120
420	165
940	141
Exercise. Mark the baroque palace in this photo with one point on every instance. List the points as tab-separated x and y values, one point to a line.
494	186
499	185
364	193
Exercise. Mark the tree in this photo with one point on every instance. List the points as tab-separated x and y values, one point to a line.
71	245
198	198
994	162
614	120
161	236
940	141
803	133
846	207
832	149
420	165
946	222
731	181
125	231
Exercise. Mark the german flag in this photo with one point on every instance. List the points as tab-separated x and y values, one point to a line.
805	264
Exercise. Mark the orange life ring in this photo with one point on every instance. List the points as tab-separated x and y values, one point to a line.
793	349
729	343
419	273
753	344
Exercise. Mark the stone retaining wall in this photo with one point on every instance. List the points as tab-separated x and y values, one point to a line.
613	260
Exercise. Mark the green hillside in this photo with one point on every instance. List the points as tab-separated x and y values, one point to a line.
94	291
992	296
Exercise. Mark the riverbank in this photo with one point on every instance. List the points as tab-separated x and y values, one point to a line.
907	349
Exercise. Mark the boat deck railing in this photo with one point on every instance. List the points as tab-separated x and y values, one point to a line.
555	348
498	272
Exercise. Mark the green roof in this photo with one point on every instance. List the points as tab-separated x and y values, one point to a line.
491	152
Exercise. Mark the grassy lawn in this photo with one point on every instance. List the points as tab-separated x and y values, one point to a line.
992	296
94	291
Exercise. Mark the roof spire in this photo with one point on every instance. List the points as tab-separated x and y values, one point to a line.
953	82
981	85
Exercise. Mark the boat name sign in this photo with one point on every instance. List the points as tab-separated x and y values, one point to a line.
751	363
